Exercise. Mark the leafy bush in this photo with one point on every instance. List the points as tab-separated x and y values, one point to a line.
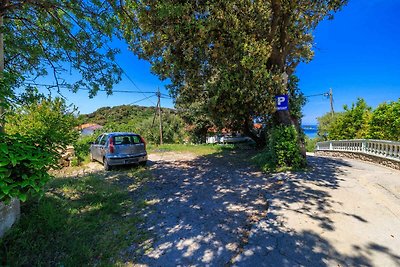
173	129
282	151
38	129
311	143
44	120
385	122
361	122
24	166
81	147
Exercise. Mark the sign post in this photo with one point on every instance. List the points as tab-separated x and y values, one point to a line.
282	102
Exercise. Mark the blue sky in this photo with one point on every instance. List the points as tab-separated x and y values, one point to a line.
357	55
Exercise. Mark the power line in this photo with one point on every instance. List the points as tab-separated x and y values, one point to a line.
323	94
329	95
106	44
65	86
87	89
141	100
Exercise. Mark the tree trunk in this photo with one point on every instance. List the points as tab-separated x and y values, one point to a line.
247	130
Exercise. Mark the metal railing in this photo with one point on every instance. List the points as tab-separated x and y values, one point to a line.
378	148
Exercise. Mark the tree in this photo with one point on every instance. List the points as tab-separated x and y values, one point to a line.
230	55
44	120
173	129
352	123
38	129
385	122
50	37
325	123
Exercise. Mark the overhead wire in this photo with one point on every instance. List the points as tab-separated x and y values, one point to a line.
153	93
106	44
141	100
87	89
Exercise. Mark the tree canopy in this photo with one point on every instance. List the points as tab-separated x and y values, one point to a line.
360	121
53	37
232	57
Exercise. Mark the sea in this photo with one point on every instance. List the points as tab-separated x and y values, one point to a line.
310	130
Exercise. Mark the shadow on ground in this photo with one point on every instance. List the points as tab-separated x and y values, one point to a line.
220	210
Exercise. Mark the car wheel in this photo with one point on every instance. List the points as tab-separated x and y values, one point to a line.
143	163
107	167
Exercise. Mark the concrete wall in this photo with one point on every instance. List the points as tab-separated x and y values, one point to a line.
9	214
361	156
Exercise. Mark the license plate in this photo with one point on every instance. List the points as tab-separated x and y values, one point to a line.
129	161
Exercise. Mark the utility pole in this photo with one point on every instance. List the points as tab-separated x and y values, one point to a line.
331	100
158	108
159	111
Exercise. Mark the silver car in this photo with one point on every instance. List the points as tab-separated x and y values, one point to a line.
119	148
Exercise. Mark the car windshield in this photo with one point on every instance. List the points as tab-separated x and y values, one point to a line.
126	139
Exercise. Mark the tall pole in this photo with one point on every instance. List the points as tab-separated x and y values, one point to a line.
159	112
331	100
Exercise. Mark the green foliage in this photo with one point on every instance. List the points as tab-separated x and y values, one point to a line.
78	222
227	56
351	123
81	147
282	151
325	124
44	120
198	122
36	133
42	35
311	143
24	165
120	118
173	129
130	118
198	149
385	122
361	122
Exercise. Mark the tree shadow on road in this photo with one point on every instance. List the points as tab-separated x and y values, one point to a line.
220	210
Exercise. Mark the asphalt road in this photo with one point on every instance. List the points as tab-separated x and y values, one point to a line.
219	211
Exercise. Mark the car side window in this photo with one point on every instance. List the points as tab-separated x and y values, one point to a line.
136	139
98	139
103	140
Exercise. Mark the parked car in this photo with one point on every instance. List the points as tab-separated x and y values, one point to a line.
118	148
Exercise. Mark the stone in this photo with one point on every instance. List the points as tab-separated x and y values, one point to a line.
9	214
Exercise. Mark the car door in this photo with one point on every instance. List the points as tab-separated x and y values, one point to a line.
95	149
102	147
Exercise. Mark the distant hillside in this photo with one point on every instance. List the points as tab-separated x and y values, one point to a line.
112	117
138	119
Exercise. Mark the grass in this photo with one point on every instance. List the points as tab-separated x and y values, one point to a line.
200	150
81	221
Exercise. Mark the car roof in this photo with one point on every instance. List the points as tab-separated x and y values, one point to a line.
120	133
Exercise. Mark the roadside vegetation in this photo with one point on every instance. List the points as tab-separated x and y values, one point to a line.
360	121
220	77
79	221
200	150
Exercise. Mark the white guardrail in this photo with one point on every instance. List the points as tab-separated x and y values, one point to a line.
378	148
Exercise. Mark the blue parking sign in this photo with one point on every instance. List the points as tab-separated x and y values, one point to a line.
282	102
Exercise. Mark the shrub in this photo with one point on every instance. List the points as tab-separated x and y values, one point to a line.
24	166
311	143
282	151
82	146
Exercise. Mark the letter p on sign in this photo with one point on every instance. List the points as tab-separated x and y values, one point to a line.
282	102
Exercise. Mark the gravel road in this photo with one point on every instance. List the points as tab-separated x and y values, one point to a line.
218	210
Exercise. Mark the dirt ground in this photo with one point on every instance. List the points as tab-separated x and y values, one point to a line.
218	210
